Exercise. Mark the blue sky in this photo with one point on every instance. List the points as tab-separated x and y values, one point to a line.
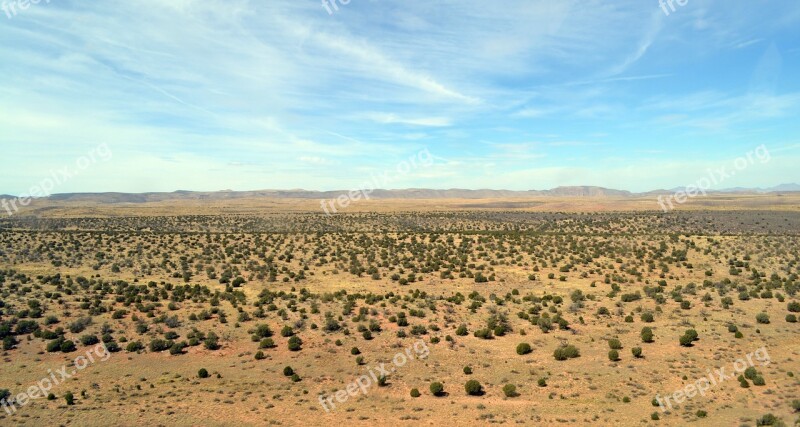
246	95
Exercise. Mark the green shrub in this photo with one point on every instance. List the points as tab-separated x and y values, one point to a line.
202	373
295	343
566	352
647	334
89	340
414	392
473	388
614	344
134	346
69	398
523	348
542	382
510	390
158	345
68	346
637	352
485	334
211	342
767	420
288	371
613	355
467	370
437	389
762	318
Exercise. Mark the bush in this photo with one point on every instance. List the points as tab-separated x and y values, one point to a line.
647	317
566	352
287	332
134	346
473	388
485	334
794	307
637	352
260	355
211	342
762	318
266	343
382	381
55	345
355	351
295	343
9	343
647	335
614	344
414	392
202	373
177	348
791	318
68	347
688	338
524	348
510	390
262	331
437	389
158	345
69	398
462	330
767	420
89	340
288	371
613	355
467	370
542	382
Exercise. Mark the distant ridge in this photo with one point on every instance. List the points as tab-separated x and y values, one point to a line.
410	193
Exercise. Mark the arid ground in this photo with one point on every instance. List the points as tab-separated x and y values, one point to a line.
563	311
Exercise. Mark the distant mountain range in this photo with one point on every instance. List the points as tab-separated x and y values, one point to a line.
411	193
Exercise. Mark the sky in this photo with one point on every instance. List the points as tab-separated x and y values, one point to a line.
208	95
